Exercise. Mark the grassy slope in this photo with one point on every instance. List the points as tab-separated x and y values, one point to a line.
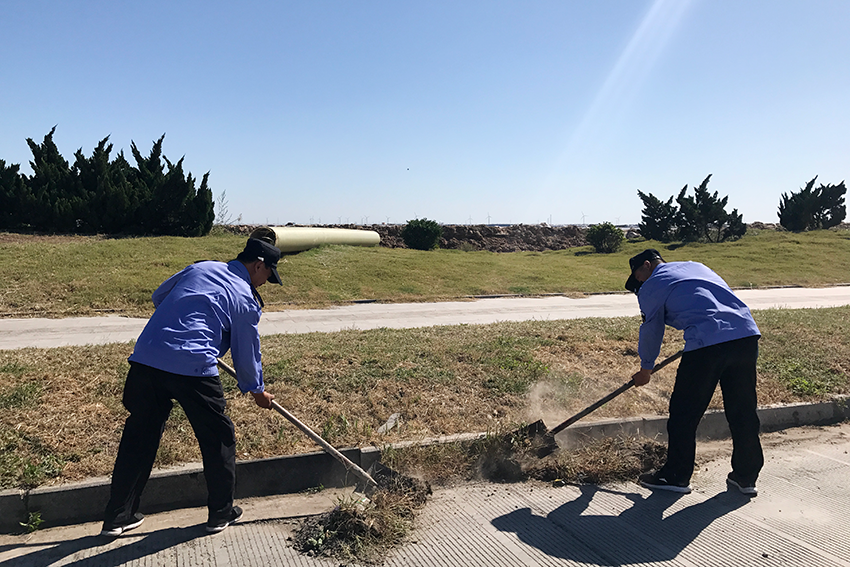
60	409
65	276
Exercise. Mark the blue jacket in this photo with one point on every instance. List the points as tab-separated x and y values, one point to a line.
202	312
689	296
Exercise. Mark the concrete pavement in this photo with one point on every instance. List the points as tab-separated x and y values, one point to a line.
799	519
75	331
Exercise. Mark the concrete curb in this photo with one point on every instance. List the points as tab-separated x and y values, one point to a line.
185	487
713	424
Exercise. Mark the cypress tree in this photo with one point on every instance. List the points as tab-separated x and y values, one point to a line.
99	195
12	190
813	208
54	199
703	216
658	219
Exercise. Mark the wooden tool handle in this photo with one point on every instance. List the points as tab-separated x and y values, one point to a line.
611	396
349	466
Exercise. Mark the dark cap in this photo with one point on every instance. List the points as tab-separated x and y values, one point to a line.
256	249
635	262
265	233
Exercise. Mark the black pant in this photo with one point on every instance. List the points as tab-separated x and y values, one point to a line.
733	364
147	396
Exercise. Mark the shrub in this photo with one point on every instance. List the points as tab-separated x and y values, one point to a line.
605	237
813	209
422	234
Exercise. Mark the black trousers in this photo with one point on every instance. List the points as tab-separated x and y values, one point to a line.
147	396
733	365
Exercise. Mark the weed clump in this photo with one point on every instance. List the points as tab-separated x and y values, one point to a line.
365	530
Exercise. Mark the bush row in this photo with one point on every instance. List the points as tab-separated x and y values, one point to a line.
97	194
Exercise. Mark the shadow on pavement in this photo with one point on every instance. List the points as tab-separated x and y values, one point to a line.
640	534
114	551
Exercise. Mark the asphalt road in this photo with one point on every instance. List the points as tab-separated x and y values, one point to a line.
75	331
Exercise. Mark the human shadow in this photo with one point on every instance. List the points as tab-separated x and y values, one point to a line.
147	544
637	535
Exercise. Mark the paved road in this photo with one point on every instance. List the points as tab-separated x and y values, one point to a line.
799	519
48	333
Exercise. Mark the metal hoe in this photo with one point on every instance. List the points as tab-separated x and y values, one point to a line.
349	466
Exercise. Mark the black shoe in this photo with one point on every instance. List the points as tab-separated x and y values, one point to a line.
748	488
657	481
111	529
215	526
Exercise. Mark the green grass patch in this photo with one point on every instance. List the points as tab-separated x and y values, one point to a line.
13	368
26	462
20	395
119	275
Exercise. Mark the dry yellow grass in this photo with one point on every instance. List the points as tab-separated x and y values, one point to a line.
61	415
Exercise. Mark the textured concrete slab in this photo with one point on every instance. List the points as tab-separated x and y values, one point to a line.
799	519
75	331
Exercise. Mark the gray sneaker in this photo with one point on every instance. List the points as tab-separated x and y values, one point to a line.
657	481
748	488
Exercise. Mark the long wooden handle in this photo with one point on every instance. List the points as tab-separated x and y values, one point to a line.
349	466
611	396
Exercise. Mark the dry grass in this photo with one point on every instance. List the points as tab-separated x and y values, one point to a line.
615	459
61	415
365	529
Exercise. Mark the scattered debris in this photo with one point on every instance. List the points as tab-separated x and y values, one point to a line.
391	422
614	459
366	530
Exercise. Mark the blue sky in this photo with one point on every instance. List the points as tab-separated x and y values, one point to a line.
470	111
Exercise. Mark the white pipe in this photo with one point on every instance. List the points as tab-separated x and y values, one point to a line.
298	238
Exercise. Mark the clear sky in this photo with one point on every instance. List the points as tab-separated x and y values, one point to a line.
521	111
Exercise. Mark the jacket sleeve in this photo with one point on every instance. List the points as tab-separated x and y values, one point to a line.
245	351
651	330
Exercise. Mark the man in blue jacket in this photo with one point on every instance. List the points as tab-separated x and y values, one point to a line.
721	345
201	312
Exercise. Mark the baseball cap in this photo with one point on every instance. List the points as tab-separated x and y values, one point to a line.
256	249
635	262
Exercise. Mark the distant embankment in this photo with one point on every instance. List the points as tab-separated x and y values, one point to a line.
495	238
